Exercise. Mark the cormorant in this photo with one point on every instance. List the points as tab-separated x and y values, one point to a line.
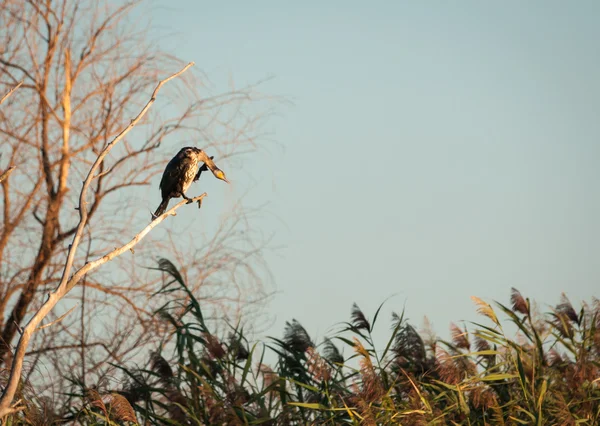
181	171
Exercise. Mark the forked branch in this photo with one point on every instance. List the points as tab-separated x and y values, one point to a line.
10	92
66	283
6	173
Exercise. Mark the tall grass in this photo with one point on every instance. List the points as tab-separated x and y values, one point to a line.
547	372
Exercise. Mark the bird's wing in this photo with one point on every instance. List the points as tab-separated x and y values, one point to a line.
174	175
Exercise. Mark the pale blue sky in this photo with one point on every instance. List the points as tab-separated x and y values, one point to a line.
435	150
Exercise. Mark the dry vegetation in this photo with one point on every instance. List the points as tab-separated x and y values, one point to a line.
548	373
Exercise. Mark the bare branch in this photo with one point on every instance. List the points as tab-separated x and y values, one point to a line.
59	319
6	173
10	92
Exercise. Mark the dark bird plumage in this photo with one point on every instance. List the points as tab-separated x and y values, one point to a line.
181	171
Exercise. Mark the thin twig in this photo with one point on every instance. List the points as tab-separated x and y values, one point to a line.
66	283
10	92
59	319
6	173
82	318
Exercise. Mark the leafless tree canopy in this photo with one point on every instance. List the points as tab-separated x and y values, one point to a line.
87	69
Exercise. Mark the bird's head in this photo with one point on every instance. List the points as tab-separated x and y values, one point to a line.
197	151
219	174
188	151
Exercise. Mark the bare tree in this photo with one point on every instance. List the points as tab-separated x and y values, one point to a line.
86	69
68	281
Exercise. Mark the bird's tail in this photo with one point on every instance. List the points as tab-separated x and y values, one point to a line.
161	208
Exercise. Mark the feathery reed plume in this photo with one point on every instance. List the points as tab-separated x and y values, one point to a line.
359	320
161	367
136	387
485	309
371	389
563	411
296	337
481	344
212	405
317	366
446	368
554	358
331	353
460	338
466	366
482	397
596	306
121	409
237	347
95	400
566	308
430	339
408	347
596	340
214	347
167	318
176	407
40	414
270	377
519	304
563	325
166	266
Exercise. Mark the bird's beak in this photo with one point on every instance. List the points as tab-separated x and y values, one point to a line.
220	175
212	166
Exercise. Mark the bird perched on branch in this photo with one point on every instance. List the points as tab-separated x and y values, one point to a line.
181	171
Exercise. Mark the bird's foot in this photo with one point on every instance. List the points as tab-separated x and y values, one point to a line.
200	203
